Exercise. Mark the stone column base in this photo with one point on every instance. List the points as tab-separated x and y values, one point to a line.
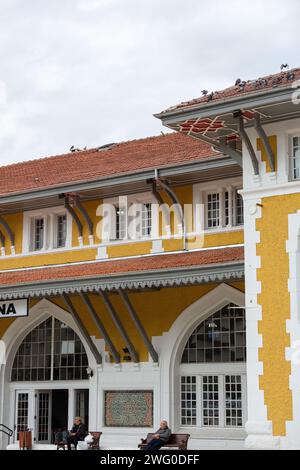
260	437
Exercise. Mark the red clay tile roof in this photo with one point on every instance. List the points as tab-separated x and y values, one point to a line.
119	267
125	157
280	80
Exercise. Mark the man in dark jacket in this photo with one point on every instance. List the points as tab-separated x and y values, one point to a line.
77	433
160	438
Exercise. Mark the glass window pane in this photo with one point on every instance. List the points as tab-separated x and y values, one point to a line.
188	407
233	401
210	401
220	338
296	158
38	234
213	210
33	359
61	231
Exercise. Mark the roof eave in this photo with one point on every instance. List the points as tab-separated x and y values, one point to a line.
115	180
195	275
227	105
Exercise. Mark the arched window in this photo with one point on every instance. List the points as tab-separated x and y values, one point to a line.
213	372
221	338
52	351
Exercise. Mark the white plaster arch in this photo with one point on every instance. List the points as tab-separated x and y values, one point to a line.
20	328
13	338
175	340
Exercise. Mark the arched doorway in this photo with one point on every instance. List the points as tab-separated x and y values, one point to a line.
45	377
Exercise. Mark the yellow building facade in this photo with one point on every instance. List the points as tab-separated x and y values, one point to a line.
158	279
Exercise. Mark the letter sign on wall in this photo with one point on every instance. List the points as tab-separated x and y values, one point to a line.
14	308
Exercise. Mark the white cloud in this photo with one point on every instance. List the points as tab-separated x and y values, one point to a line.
3	93
94	71
90	5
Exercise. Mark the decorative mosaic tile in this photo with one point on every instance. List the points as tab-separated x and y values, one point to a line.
132	409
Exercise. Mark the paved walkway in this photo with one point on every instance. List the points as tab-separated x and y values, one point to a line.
205	445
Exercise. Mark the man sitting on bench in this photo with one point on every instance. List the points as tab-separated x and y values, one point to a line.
160	438
77	433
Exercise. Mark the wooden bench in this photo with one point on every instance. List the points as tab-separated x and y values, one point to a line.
95	445
176	441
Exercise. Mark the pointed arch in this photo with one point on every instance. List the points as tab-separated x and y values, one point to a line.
21	327
175	340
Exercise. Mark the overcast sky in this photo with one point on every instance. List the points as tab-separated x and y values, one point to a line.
90	72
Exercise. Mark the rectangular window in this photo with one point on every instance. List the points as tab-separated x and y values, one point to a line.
210	400
296	157
44	416
233	399
224	209
227	208
213	210
61	231
146	221
132	221
38	242
189	401
221	399
22	412
121	223
239	209
47	230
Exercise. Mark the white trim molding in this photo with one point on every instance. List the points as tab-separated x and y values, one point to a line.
291	440
200	193
49	244
258	427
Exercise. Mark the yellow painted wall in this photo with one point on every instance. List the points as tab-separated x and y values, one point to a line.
48	259
217	239
133	249
157	310
264	157
185	195
275	302
16	223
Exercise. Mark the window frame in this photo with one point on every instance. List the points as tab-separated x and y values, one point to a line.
109	229
34	234
232	192
219	369
201	191
292	158
47	356
56	229
50	242
220	372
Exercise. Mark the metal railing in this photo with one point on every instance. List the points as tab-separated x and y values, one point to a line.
7	431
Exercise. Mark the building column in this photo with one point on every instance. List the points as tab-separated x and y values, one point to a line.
258	428
2	443
291	440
